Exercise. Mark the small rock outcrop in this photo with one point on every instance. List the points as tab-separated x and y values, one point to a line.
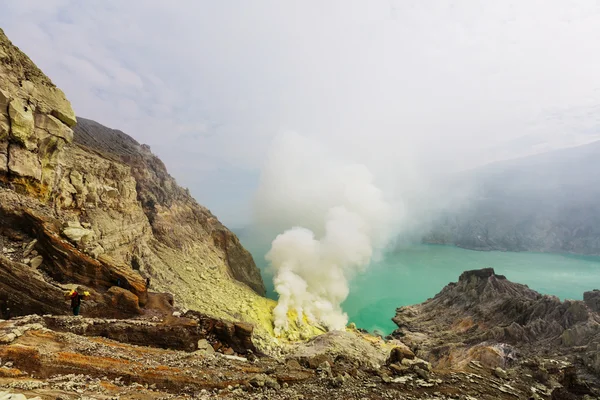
486	319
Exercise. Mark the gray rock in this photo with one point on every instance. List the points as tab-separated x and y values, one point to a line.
338	381
500	373
76	233
263	380
36	262
11	396
421	373
24	163
29	248
325	368
54	127
21	123
592	300
205	347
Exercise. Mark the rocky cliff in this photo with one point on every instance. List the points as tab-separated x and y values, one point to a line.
175	218
82	204
489	323
546	202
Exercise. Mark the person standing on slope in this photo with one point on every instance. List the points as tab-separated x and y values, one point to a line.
76	300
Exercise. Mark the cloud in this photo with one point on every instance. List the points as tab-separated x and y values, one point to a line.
429	84
84	70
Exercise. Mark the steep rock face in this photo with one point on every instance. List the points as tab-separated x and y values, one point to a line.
95	208
486	318
35	123
177	220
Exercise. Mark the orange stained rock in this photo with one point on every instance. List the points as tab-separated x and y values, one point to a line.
463	325
24	357
11	373
94	362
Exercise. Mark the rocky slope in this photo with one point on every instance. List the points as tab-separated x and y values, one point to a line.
544	203
484	320
38	360
84	205
481	338
176	219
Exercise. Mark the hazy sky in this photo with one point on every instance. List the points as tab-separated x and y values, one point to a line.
394	84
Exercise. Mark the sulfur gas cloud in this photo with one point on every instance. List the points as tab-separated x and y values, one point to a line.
334	221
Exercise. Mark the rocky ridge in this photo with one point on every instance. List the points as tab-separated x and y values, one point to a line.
487	321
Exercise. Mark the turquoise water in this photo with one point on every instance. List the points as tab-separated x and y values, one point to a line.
413	274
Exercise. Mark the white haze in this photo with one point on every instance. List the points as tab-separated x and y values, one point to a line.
338	220
386	82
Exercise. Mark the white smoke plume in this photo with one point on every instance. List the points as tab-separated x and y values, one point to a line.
336	221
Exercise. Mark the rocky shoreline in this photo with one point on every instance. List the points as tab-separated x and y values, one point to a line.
483	337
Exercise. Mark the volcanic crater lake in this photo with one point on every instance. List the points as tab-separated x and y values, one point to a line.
411	275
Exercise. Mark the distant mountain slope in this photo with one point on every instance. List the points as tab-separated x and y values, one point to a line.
108	141
547	202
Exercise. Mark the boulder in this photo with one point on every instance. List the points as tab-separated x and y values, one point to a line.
65	263
23	292
97	251
500	373
24	163
325	369
592	300
343	348
399	369
12	396
318	361
51	100
76	233
29	248
36	261
65	115
416	363
53	126
236	335
138	332
423	374
293	364
205	347
21	123
123	300
263	380
399	353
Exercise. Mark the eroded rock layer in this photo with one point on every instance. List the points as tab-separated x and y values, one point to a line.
95	209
